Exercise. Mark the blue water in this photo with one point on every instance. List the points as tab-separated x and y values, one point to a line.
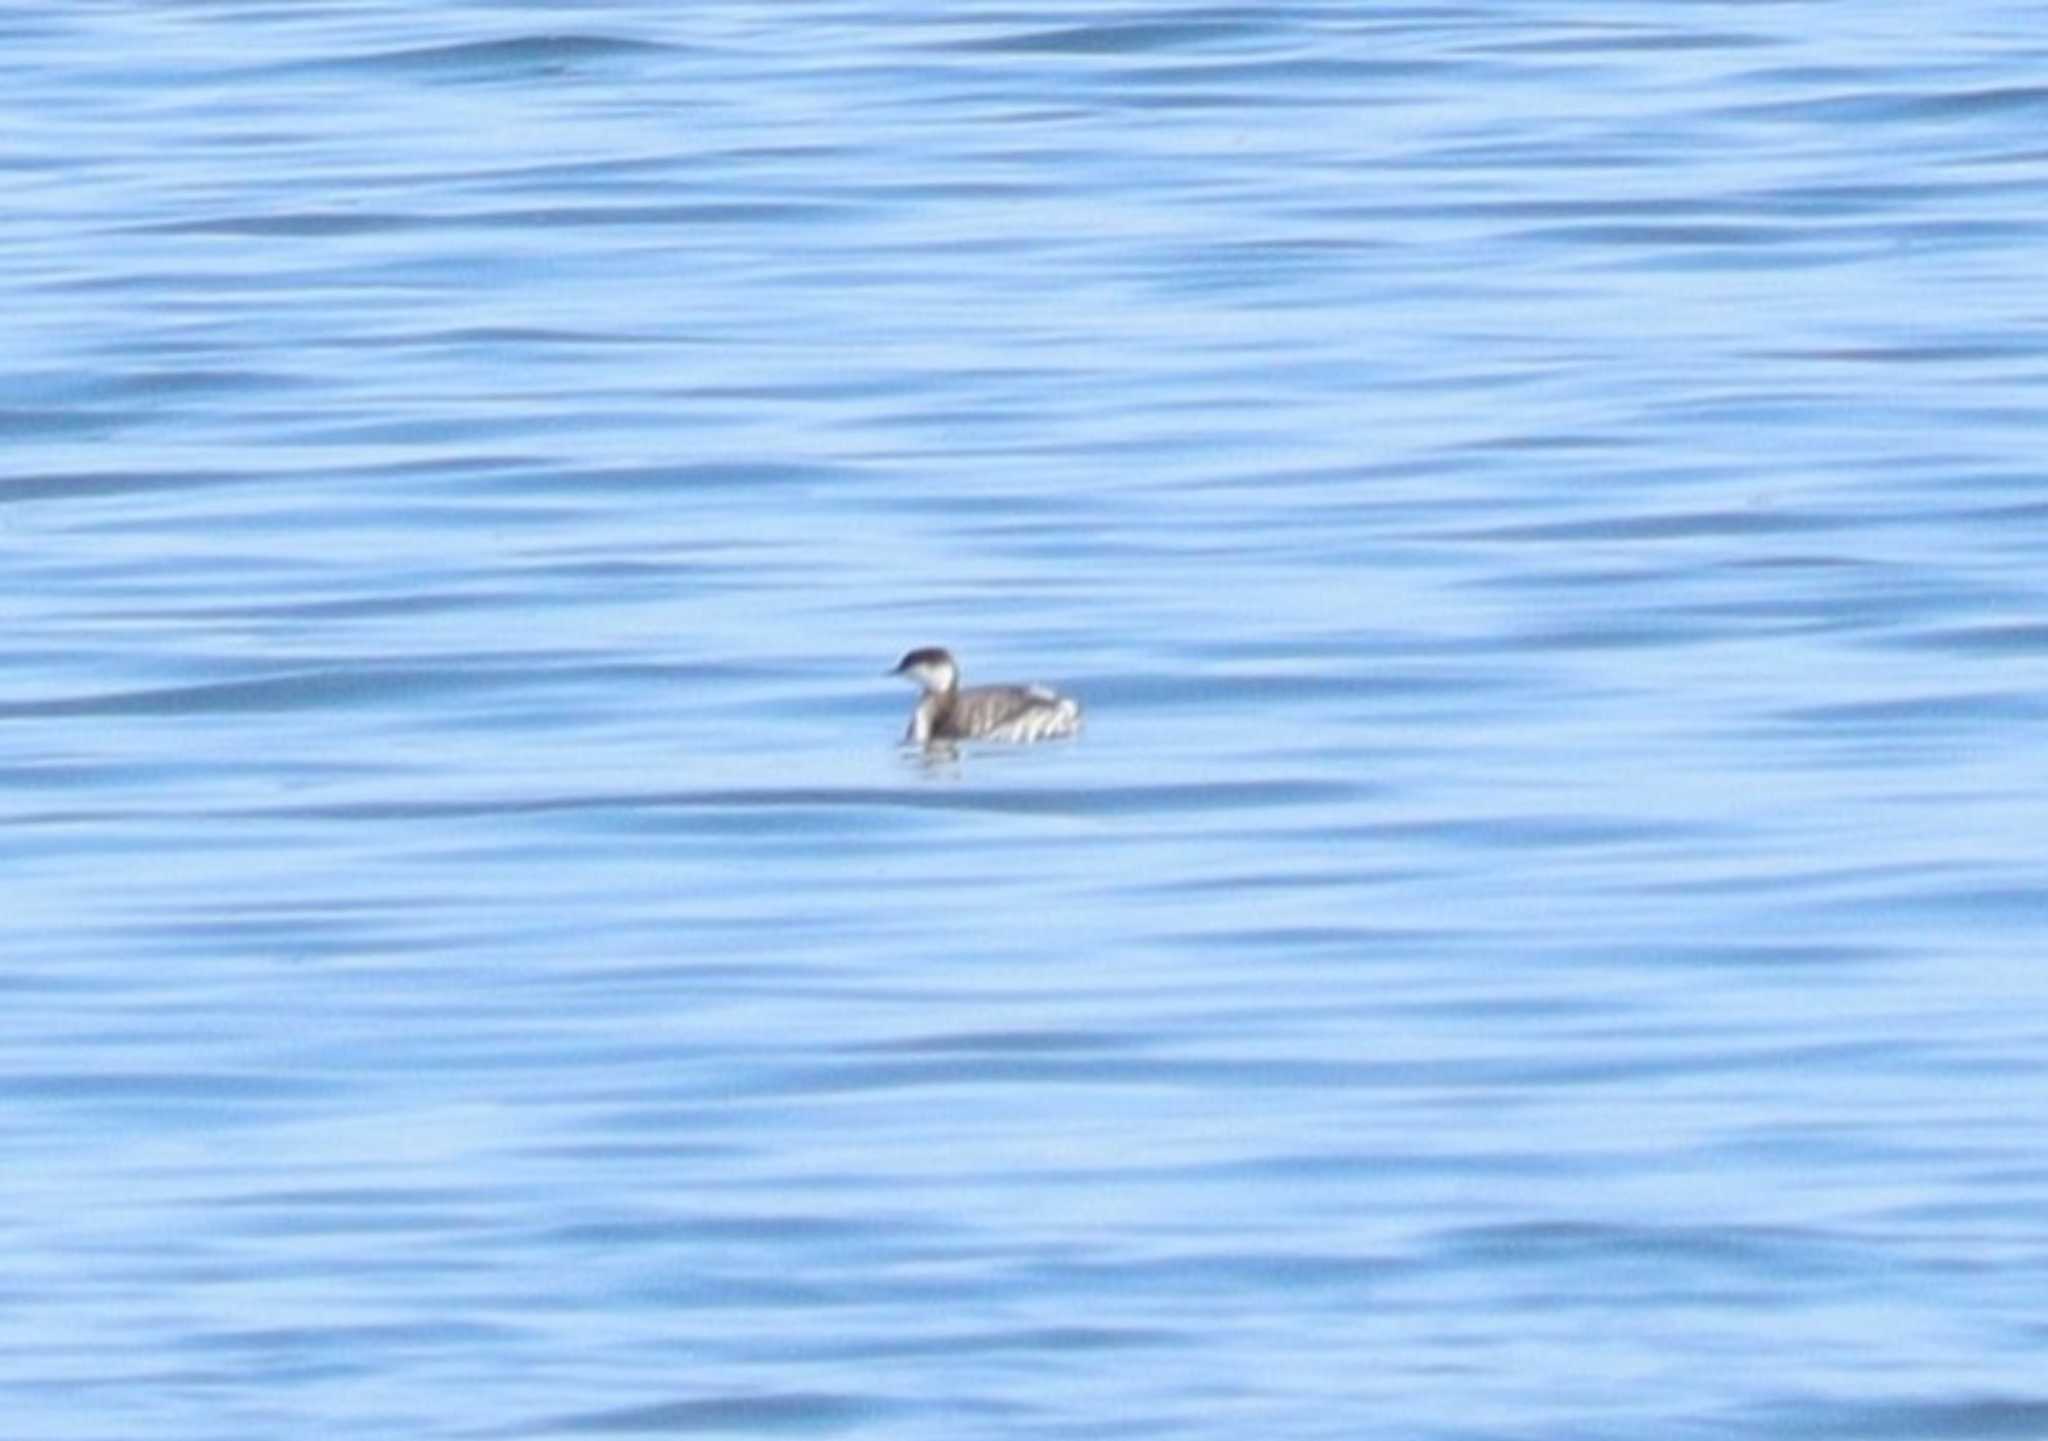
1543	937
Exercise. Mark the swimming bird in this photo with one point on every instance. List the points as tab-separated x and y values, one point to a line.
984	712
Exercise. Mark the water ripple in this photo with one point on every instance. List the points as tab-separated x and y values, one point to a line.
1542	505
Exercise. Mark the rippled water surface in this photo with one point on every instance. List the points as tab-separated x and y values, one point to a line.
1543	936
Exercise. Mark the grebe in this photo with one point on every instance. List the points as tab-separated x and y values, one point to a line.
984	712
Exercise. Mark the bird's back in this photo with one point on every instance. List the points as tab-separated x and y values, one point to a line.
1007	713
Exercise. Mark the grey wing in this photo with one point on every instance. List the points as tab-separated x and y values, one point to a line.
1018	713
984	709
